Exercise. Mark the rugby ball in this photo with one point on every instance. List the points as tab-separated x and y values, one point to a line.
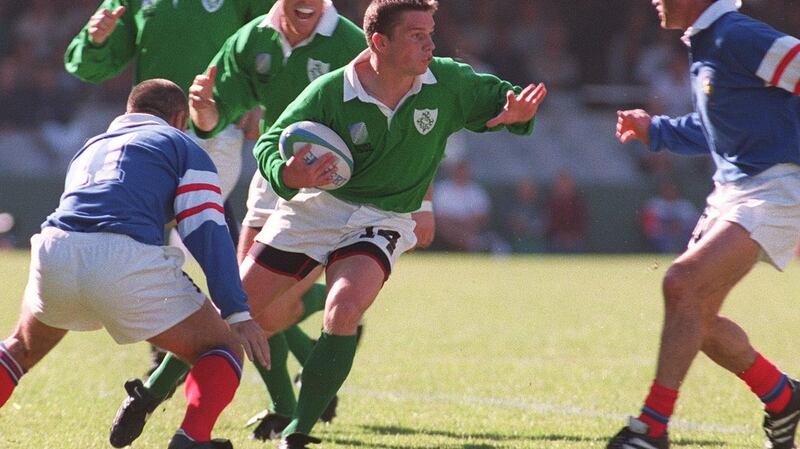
323	140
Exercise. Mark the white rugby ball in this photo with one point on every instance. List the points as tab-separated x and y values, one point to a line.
323	140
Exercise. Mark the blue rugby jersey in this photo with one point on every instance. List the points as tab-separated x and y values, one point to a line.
745	87
140	175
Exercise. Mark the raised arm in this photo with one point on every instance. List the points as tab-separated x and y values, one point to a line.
105	45
491	104
226	91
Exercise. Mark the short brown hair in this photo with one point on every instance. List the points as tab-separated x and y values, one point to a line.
382	16
159	97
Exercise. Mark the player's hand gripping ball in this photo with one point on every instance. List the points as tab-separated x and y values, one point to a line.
323	140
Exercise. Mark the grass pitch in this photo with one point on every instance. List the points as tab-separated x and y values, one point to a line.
459	351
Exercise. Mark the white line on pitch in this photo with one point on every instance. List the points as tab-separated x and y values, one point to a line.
535	406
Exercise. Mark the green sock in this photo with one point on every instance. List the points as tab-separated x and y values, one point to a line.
277	379
324	373
166	376
300	344
314	300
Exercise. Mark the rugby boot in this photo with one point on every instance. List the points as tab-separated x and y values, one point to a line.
781	427
634	436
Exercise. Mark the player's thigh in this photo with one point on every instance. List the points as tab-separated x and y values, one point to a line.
145	292
32	339
198	333
353	284
267	273
716	263
289	308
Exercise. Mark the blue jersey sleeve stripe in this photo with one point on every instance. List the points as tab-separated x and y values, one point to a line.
191	219
780	66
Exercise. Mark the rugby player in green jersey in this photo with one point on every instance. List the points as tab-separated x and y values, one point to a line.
266	63
395	105
171	40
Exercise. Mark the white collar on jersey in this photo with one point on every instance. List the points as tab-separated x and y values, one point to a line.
135	119
326	25
709	16
354	89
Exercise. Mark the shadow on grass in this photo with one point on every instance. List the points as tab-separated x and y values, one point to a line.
499	437
461	436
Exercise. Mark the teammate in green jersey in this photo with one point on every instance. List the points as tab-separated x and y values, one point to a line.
395	106
174	40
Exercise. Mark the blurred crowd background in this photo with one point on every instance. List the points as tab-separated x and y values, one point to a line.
570	187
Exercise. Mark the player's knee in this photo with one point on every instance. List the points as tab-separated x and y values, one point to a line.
227	342
344	314
235	348
678	287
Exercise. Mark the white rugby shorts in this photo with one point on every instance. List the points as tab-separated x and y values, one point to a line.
225	149
261	202
87	281
766	205
315	223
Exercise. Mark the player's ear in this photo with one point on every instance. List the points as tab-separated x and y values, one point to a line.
379	42
180	120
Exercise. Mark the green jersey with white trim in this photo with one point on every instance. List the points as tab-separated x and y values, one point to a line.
172	39
395	153
256	66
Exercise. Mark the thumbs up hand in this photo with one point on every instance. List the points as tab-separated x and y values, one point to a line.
102	24
202	107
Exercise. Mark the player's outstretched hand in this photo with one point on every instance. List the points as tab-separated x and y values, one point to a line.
520	108
425	229
298	174
253	340
102	24
633	124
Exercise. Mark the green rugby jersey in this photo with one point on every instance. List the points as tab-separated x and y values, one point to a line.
395	155
255	67
172	39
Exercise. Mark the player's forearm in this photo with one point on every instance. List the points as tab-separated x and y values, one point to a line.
211	246
681	135
205	119
90	63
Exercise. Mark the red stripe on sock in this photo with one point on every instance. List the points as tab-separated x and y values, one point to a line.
662	401
762	377
7	386
210	387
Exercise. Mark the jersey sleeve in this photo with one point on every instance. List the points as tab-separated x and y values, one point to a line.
482	97
307	106
94	63
681	135
234	89
769	54
201	224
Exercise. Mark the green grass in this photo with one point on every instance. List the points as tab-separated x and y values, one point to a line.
459	352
